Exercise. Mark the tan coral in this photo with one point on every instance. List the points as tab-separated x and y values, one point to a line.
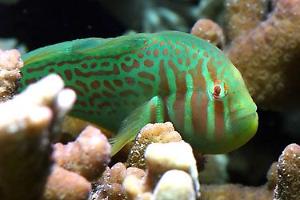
88	155
243	16
234	192
63	184
210	31
10	64
160	159
267	57
272	176
26	124
288	169
151	133
167	190
110	184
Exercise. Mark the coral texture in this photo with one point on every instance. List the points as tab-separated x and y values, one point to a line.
288	169
26	127
210	31
234	192
63	184
243	16
10	64
87	156
110	184
167	190
267	56
160	159
151	133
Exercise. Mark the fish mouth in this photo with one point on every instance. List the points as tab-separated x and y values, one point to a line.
244	121
243	113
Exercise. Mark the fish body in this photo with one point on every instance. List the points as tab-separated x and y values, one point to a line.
126	82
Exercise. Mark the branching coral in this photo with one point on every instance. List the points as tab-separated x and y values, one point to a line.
288	169
10	64
63	184
243	16
210	31
161	159
87	156
26	124
110	184
267	56
171	171
151	133
77	163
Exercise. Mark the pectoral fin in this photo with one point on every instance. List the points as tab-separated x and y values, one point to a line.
150	112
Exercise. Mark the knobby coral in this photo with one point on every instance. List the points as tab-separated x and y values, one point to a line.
26	125
10	64
288	169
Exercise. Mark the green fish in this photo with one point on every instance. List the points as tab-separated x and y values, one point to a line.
123	83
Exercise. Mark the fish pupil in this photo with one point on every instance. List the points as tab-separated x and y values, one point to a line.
217	91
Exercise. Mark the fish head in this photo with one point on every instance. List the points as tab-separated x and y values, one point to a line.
229	118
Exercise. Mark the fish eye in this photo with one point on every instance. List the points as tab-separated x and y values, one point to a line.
219	90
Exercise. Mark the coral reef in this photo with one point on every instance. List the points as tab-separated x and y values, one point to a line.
268	57
243	16
215	169
109	186
167	190
235	192
288	169
10	64
76	165
88	155
210	31
151	133
163	158
26	127
63	184
165	163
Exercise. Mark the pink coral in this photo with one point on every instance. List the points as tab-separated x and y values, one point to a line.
87	156
10	64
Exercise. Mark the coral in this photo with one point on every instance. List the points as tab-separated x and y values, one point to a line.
272	176
215	169
87	156
26	131
288	169
151	133
161	158
167	190
267	57
164	162
63	184
10	64
243	16
210	31
110	184
235	192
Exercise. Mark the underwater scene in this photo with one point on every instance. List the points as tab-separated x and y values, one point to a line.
149	100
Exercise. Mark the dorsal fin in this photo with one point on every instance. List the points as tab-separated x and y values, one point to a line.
88	46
